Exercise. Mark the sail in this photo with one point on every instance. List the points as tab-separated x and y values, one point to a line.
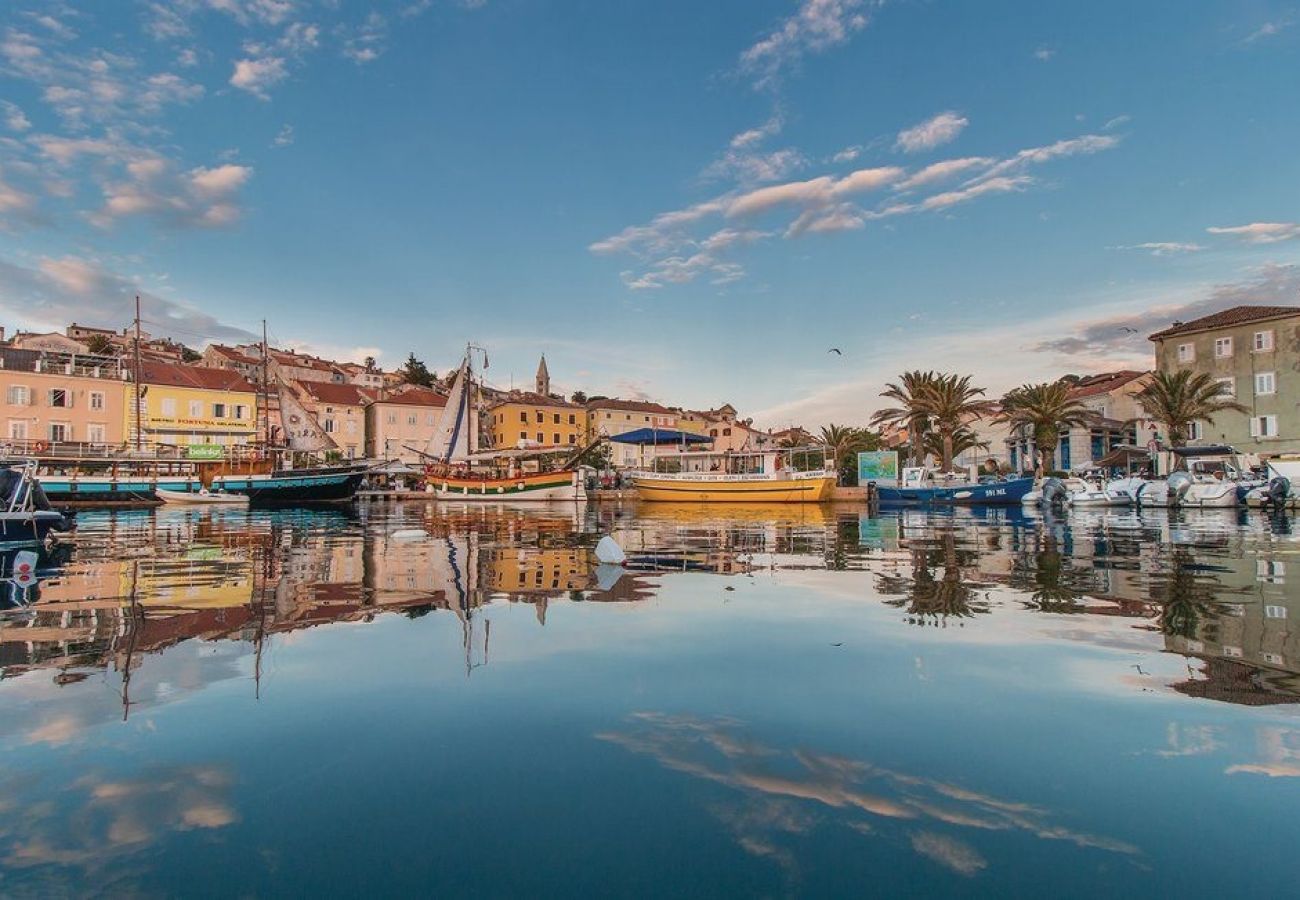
451	441
300	427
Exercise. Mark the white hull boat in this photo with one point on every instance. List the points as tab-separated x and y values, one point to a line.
202	498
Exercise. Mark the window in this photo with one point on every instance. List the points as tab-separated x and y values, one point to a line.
218	410
18	395
168	406
241	411
196	409
1222	347
573	420
1275	612
573	439
713	432
1263	426
412	419
541	438
1228	386
540	416
523	435
18	431
60	431
1186	353
329	426
1265	383
1263	341
557	438
726	432
392	418
557	418
95	434
60	397
96	399
1194	431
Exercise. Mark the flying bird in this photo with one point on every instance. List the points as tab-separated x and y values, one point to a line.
835	350
1128	330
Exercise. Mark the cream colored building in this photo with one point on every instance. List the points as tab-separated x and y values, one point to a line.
401	423
58	399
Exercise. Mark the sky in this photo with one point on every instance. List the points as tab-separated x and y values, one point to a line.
680	201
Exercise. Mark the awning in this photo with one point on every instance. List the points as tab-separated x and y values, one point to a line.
1122	455
1205	450
660	437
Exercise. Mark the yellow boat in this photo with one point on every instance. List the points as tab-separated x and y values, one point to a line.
767	476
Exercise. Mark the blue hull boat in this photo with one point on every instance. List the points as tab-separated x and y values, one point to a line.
992	493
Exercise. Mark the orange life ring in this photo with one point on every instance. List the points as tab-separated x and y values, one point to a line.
40	447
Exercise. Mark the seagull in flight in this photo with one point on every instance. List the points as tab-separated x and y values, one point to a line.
835	350
1128	330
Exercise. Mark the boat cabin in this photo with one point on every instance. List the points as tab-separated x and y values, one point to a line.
771	462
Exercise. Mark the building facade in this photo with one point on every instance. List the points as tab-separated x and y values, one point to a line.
54	398
340	411
182	405
399	426
1120	419
536	420
1254	352
611	417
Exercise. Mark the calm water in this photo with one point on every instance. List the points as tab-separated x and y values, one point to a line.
772	701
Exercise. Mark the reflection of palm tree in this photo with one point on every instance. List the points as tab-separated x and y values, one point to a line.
1185	596
1048	575
927	597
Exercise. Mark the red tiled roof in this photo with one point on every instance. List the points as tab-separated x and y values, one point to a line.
1237	315
179	375
236	355
416	396
340	394
527	398
1103	384
643	406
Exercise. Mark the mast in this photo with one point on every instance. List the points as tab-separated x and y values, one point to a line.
139	420
266	395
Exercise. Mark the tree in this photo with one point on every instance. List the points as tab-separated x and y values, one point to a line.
416	372
1177	400
845	443
961	440
1044	410
189	355
99	345
951	402
370	363
911	412
578	397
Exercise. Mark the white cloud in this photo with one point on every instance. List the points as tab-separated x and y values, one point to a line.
1043	54
848	154
931	133
816	26
752	136
152	187
1270	29
258	75
284	137
941	171
365	43
999	185
1164	248
755	168
15	119
814	192
1261	232
1116	122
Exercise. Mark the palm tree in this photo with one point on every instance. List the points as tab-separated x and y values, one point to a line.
1178	399
1044	409
911	412
951	401
845	442
963	439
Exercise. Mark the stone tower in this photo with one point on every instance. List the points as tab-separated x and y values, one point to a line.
543	378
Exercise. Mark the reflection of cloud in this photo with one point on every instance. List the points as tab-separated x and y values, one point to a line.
1280	751
803	785
99	821
950	852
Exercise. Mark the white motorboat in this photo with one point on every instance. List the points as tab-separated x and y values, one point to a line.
202	496
1092	490
1281	488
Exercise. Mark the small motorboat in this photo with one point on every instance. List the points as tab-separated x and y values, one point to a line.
26	516
202	496
1282	489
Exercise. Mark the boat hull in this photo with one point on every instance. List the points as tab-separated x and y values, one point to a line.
544	487
999	493
289	487
735	490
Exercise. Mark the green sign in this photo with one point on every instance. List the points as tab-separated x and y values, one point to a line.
205	451
880	466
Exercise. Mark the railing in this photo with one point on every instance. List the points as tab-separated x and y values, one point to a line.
784	475
20	448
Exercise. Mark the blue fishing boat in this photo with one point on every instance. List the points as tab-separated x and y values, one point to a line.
920	487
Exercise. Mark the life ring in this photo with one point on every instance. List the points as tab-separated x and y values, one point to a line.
40	447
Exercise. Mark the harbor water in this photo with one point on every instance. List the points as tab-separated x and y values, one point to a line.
460	700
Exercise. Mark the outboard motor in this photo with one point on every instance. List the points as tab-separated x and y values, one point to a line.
1179	484
1054	492
1278	490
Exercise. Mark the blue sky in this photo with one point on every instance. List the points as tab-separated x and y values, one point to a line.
685	201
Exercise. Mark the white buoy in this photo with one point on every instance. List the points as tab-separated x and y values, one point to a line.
608	551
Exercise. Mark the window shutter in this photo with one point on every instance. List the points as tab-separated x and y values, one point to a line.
1254	426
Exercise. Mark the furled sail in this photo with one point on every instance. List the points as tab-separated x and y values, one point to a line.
300	427
452	440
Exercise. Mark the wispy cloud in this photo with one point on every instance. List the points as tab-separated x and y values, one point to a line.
931	133
284	137
14	118
1260	232
816	26
1043	54
1164	248
1270	29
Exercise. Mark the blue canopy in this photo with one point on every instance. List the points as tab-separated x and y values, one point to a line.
660	437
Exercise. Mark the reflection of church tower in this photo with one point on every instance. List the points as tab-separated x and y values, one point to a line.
543	378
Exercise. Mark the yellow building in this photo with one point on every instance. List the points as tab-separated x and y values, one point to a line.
192	405
535	420
610	417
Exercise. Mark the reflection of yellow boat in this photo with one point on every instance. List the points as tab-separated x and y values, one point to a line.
767	476
757	513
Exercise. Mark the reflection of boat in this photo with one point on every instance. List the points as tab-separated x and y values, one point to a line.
765	476
453	454
202	496
921	487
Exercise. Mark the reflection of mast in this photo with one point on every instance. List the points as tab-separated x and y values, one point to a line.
130	647
462	574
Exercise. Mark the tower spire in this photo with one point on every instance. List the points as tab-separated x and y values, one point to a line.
543	378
